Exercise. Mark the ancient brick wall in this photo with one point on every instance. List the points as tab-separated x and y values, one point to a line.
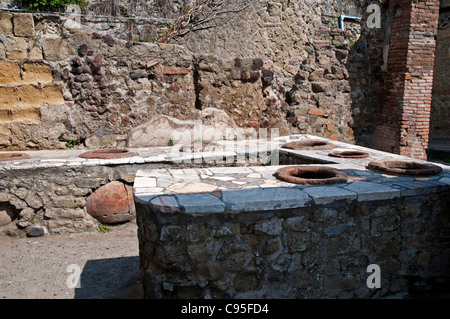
403	124
398	59
440	105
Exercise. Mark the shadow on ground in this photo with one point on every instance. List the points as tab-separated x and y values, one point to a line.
112	278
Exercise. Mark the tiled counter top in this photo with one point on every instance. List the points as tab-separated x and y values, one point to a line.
255	188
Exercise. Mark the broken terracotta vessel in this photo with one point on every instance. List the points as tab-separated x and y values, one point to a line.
112	203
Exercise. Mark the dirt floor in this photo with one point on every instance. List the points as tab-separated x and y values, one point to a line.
47	267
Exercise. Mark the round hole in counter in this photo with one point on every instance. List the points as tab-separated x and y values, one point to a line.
309	145
404	167
311	175
349	154
108	153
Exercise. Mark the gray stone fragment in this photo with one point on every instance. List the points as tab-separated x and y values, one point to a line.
137	74
370	191
37	231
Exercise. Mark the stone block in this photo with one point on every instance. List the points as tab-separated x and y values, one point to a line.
37	73
201	203
5	116
370	191
55	49
29	115
318	87
29	96
34	50
265	199
2	50
9	73
52	95
16	49
8	98
5	23
23	24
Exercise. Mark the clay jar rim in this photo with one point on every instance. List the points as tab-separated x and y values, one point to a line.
108	153
404	167
349	154
312	175
309	145
13	156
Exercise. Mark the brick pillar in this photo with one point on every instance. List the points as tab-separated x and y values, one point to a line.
403	125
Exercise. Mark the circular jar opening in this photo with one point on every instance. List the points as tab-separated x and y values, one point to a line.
309	145
108	153
349	154
400	167
13	156
311	175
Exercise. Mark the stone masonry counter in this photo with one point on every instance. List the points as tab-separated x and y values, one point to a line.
238	232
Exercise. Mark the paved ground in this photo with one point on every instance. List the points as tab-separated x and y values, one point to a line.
45	267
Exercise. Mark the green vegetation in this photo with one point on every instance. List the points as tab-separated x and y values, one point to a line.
51	5
103	228
72	143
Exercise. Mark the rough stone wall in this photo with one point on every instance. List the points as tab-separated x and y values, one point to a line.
311	252
60	85
440	105
305	57
27	88
55	198
109	86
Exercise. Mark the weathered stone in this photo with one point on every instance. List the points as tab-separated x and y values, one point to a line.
318	87
69	202
109	40
37	231
9	73
112	203
83	49
34	50
52	95
137	74
55	48
96	64
29	96
23	24
37	73
5	218
158	132
16	49
8	98
5	23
